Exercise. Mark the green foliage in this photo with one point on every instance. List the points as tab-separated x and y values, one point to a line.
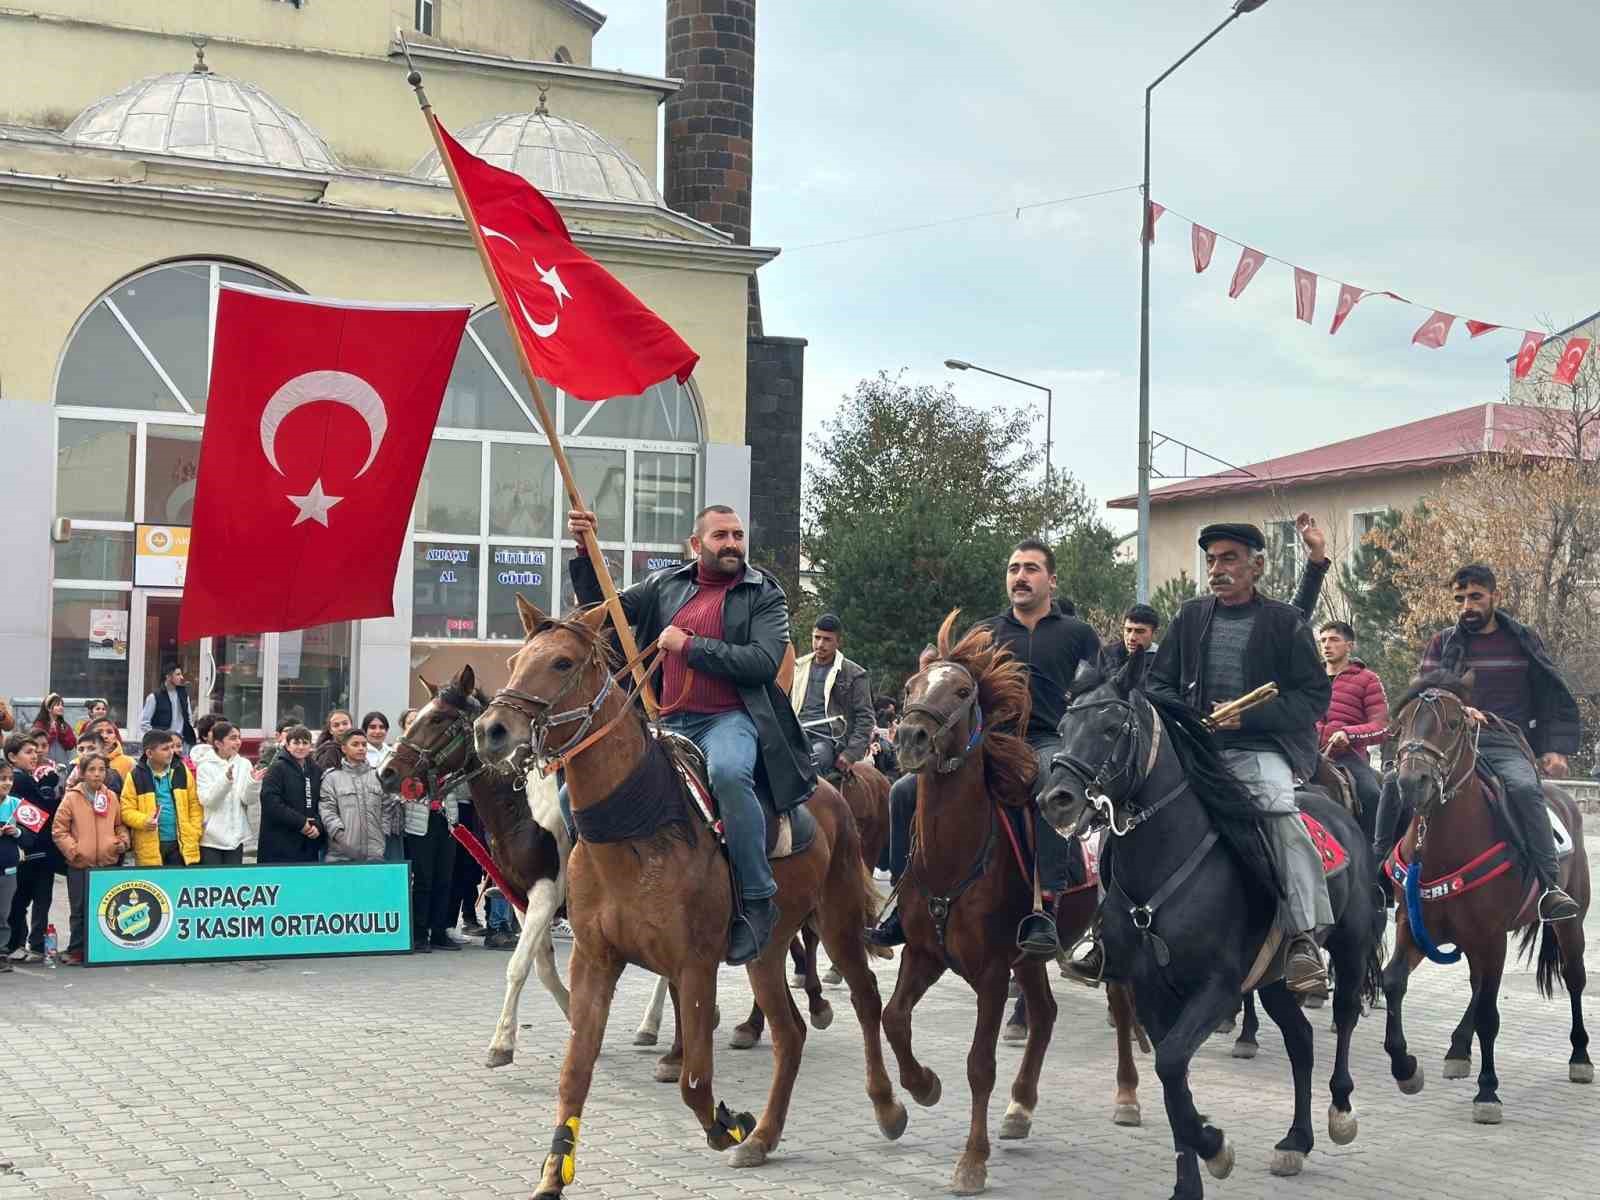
1088	571
1169	597
1378	609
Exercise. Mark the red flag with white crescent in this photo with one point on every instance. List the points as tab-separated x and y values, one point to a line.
1203	241
31	816
1153	213
1435	331
1349	296
1527	352
1566	371
1479	328
1249	263
1305	294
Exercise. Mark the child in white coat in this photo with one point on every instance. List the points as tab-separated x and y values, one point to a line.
228	785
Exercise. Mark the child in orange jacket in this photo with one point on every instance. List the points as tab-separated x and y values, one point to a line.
89	832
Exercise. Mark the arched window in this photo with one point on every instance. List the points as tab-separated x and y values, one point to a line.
563	55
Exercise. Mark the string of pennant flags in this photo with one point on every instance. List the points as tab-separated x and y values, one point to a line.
1432	333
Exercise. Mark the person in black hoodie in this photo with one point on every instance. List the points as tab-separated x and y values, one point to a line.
37	788
291	827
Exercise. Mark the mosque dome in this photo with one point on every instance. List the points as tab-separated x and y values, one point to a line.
556	155
200	114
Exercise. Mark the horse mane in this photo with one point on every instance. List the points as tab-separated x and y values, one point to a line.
1227	802
1009	765
1443	681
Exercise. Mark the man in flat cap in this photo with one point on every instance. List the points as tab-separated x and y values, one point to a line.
1221	647
833	699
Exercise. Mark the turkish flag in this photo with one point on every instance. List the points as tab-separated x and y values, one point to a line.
583	331
1527	352
1566	371
1349	296
1479	328
1153	213
1203	241
1305	294
1433	332
317	426
1249	263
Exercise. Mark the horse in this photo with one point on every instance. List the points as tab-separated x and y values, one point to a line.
1186	840
660	896
1476	894
964	890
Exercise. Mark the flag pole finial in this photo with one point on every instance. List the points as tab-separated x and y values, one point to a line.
544	91
199	44
413	76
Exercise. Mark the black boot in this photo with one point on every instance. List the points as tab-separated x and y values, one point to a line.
1090	967
751	930
1303	971
1533	823
887	932
1384	833
1036	936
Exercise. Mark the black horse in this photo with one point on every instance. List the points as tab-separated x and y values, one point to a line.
1191	896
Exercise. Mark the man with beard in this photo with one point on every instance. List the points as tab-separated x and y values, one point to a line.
727	623
1514	680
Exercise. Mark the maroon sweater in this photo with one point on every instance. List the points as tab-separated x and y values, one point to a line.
1358	707
701	615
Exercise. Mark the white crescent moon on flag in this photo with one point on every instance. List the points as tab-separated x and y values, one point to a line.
540	330
340	387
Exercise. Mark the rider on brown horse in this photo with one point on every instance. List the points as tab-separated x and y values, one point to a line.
728	624
832	699
1514	680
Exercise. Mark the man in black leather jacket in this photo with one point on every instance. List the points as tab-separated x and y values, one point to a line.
723	626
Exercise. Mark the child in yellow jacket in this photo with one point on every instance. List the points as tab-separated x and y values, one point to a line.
159	805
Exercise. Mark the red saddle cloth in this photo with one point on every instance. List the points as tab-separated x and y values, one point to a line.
1334	857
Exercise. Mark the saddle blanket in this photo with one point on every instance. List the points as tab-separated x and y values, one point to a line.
1334	856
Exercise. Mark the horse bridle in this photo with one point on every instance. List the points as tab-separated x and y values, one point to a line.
543	719
1441	766
947	721
1119	766
430	763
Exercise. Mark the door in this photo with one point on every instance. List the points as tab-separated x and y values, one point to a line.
156	646
235	684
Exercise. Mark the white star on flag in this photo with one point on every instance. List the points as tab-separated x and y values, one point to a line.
314	505
552	280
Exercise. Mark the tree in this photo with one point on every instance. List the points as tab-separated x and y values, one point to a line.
1089	573
1369	583
1169	597
912	508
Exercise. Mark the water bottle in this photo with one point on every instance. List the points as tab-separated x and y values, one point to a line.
50	946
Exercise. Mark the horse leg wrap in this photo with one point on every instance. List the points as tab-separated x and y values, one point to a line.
564	1146
736	1127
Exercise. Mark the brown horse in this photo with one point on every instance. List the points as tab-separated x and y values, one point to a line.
962	895
662	899
1464	894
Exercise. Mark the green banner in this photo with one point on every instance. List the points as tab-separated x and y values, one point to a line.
181	914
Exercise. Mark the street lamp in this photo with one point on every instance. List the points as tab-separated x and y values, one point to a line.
1240	8
958	364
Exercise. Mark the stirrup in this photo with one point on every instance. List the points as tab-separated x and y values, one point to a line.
1564	915
1037	937
1088	968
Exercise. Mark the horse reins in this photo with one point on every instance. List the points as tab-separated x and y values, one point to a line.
1441	766
429	763
947	721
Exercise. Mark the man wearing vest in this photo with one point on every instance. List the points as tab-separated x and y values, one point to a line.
833	700
167	708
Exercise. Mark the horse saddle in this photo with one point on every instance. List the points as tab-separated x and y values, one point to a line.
787	833
1335	858
1336	781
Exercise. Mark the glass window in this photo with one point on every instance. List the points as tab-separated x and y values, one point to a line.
96	554
170	310
664	413
89	645
475	397
94	469
444	590
569	598
172	461
449	498
512	570
663	496
603	481
522	483
648	562
236	686
313	673
104	369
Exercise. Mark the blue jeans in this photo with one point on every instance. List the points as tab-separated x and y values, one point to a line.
499	913
729	742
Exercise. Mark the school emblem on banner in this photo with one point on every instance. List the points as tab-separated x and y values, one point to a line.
135	915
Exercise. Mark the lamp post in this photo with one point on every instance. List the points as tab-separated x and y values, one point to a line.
958	364
1240	8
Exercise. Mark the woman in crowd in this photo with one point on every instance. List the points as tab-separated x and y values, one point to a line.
96	709
291	827
326	751
52	722
356	811
228	788
89	832
379	748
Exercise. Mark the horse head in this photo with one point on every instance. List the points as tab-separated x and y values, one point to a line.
562	663
1099	766
439	740
1437	740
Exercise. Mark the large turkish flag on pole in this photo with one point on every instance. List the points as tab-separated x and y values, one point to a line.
318	422
583	331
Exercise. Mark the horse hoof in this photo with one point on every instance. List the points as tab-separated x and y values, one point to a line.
969	1179
668	1072
1341	1126
497	1057
1242	1049
930	1097
1580	1072
833	976
1222	1165
1410	1087
1486	1112
1127	1115
1014	1033
743	1038
823	1016
1018	1123
1457	1068
798	982
645	1037
895	1124
1285	1163
751	1152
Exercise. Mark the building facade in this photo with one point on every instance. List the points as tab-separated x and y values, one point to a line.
151	153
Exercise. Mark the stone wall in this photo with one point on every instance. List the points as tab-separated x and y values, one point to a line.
774	411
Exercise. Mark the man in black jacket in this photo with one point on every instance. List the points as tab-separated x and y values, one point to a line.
1140	624
727	623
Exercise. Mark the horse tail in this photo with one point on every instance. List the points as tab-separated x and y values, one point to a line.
1372	974
1549	964
853	885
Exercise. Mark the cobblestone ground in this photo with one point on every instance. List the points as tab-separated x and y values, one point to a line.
363	1077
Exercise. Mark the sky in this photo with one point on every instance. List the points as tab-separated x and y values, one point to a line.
1440	149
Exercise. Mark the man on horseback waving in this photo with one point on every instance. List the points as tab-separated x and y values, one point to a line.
723	627
1515	681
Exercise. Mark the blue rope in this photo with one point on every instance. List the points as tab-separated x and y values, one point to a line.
1419	930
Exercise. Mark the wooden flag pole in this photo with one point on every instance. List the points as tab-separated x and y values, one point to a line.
591	543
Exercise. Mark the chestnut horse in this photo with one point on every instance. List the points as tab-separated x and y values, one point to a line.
662	899
1450	835
963	892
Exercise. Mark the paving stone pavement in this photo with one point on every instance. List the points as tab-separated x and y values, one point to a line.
364	1077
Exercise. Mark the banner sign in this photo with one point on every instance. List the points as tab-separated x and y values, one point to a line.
184	914
160	555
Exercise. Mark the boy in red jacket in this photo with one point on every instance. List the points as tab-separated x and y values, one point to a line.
1358	713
